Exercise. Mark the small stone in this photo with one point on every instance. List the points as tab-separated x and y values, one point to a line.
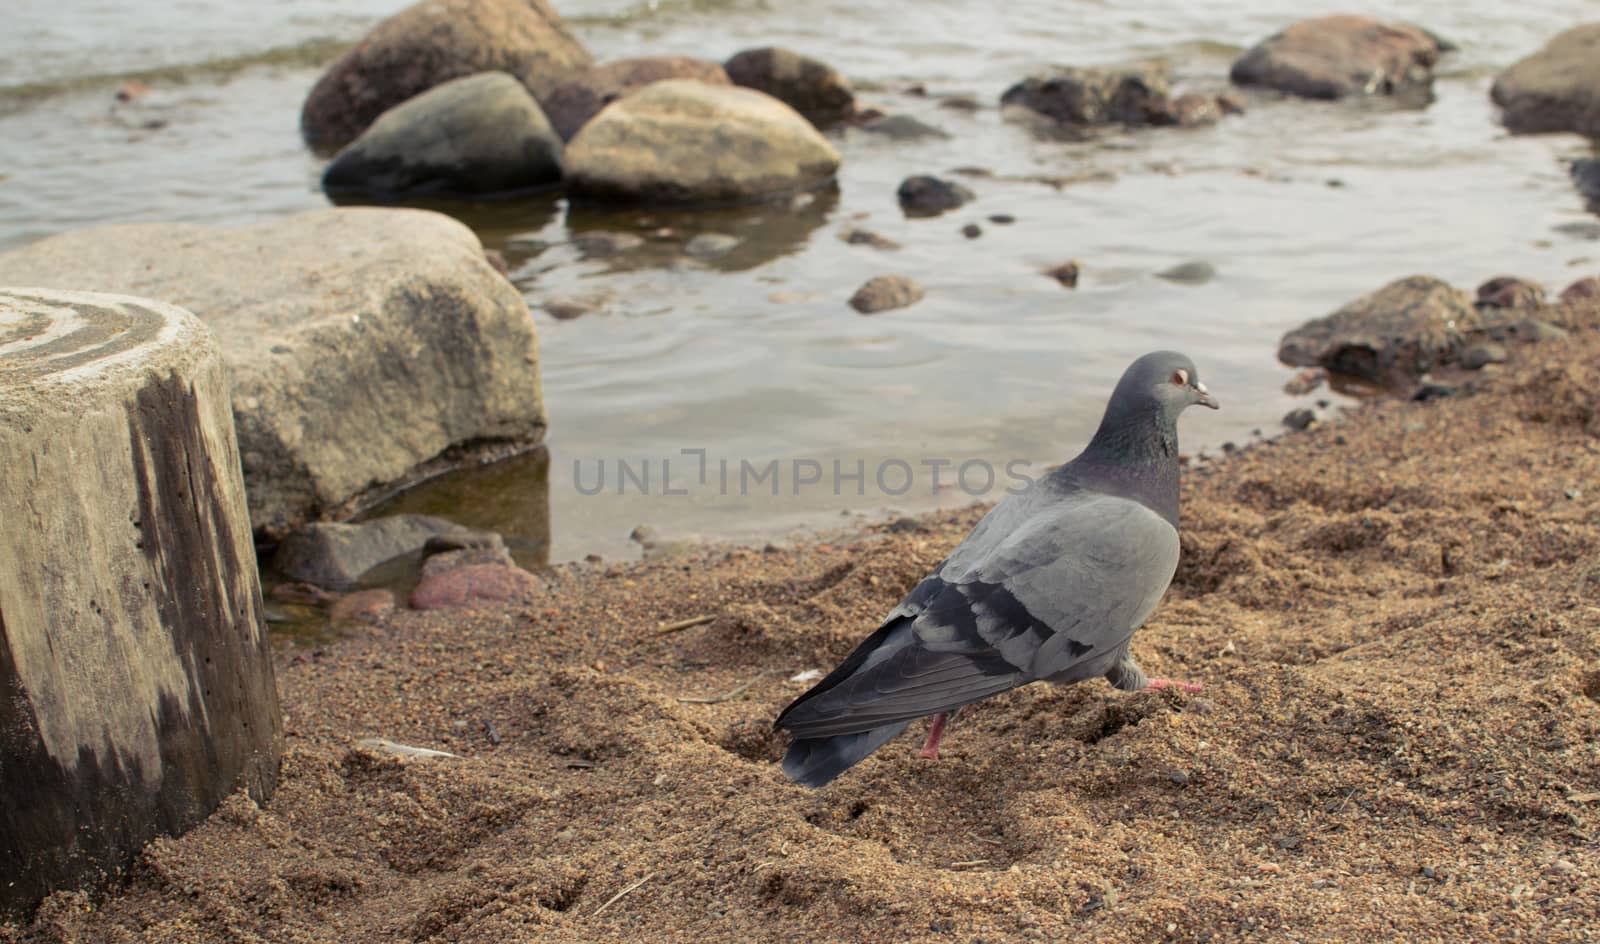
710	244
884	293
924	195
862	237
575	306
1587	287
365	605
903	128
1306	381
600	244
1532	329
1508	291
1300	419
1200	706
1573	494
1432	391
1428	872
1002	219
1066	273
972	231
1189	273
1178	777
1480	355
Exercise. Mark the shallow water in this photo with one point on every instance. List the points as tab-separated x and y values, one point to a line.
753	356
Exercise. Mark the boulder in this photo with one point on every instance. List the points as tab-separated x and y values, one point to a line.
474	577
432	42
924	195
1125	95
884	293
685	142
363	343
136	680
575	101
1404	328
1339	56
1556	88
477	136
812	88
335	555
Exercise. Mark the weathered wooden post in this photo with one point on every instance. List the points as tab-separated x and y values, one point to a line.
136	687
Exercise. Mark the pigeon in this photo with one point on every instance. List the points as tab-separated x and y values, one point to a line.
1050	584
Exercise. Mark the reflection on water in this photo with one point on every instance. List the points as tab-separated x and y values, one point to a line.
728	330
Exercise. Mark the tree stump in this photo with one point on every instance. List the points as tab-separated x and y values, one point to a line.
136	685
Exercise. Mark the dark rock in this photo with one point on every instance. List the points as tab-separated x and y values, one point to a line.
1432	391
961	103
924	195
972	231
1198	272
1066	273
812	88
1479	355
861	237
1094	96
1404	328
1339	56
335	555
572	103
1586	175
1178	777
432	42
1510	292
679	141
884	293
1556	88
475	136
903	128
1299	419
1586	287
1002	219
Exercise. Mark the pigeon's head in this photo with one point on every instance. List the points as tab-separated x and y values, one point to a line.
1165	379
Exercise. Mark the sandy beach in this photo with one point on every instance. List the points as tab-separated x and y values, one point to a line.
1396	618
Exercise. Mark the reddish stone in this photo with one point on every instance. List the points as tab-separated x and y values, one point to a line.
1588	287
366	605
474	584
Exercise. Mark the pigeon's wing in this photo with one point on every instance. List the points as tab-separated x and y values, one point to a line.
1064	582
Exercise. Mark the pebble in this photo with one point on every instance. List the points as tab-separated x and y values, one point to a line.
1300	419
710	244
972	231
1479	355
1178	777
1002	219
1197	272
1305	381
884	293
1066	273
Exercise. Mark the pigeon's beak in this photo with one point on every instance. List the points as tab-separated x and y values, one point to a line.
1206	399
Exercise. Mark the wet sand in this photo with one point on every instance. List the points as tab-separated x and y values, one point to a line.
1396	618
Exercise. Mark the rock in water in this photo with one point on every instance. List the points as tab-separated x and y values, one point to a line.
362	342
812	88
575	101
1404	328
1556	88
335	555
1050	586
478	136
432	42
1093	96
884	293
925	195
136	683
1340	56
685	142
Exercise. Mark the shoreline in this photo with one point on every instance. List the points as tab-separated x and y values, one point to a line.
1396	617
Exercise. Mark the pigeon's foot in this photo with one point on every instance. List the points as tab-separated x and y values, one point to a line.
1190	687
930	749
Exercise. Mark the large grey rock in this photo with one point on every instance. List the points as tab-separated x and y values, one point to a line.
335	555
136	683
1404	328
1127	95
363	342
1556	88
432	42
479	135
809	86
682	141
575	101
1339	56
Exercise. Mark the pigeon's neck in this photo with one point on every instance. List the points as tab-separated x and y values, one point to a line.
1134	457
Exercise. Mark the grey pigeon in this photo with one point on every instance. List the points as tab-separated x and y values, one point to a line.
1050	585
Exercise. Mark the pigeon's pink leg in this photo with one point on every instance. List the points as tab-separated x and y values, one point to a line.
1190	687
930	749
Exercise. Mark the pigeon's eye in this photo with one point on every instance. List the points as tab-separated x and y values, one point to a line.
1180	377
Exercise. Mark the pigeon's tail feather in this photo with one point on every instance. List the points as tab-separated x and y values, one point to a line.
816	761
